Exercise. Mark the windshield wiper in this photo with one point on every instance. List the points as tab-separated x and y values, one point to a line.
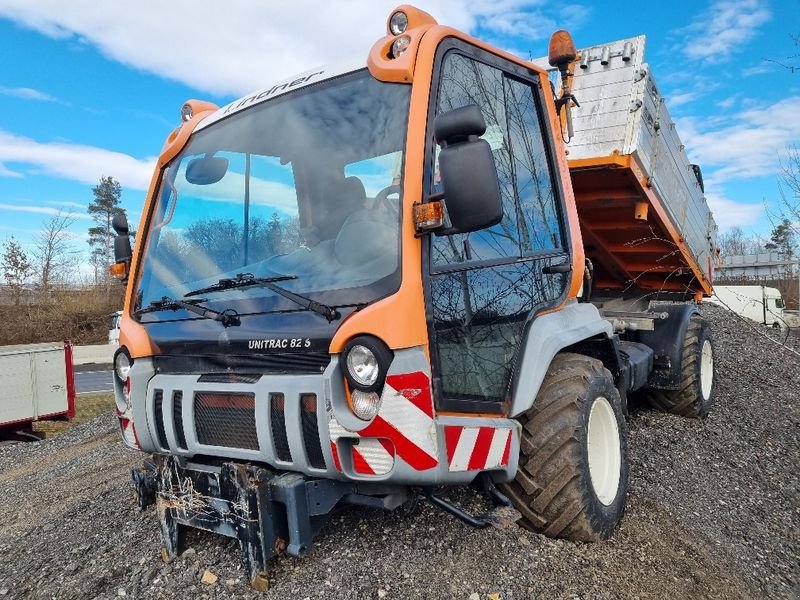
227	317
248	280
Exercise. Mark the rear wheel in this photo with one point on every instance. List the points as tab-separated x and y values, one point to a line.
695	395
573	470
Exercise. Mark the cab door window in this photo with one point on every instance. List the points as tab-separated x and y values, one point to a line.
484	286
530	223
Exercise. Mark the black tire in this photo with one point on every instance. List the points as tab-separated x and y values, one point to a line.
553	488
690	400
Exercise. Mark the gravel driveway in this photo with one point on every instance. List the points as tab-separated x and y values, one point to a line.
713	511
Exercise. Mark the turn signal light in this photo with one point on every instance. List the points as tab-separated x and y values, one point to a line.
119	270
428	216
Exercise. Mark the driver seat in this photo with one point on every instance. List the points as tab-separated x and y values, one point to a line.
345	198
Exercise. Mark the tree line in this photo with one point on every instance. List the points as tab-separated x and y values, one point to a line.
52	260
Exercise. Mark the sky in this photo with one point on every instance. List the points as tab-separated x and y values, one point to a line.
89	88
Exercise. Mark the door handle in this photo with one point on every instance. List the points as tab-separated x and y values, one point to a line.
564	267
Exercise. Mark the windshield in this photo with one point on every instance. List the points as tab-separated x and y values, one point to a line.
304	186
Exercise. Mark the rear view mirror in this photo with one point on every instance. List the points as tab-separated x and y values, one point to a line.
122	246
120	223
206	170
468	171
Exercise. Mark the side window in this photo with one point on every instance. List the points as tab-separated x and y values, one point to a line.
530	222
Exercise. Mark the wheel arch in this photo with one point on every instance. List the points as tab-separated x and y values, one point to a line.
666	340
574	326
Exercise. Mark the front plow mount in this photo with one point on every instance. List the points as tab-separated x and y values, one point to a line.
269	512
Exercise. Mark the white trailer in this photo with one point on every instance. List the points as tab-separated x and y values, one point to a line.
36	383
756	302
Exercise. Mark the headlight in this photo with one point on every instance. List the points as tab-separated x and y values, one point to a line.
398	23
362	365
365	360
122	364
365	404
400	45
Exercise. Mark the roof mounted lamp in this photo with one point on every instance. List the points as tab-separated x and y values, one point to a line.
562	54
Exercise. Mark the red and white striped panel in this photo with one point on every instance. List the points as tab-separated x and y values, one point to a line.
477	448
405	418
373	456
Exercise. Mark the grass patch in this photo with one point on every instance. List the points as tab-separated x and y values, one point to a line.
87	407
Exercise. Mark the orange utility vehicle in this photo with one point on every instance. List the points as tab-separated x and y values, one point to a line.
365	283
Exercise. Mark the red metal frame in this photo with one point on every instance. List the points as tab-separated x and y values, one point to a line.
70	380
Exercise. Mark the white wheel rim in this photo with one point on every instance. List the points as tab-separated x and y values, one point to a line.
706	369
605	455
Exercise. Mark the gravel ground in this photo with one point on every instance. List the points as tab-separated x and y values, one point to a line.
713	511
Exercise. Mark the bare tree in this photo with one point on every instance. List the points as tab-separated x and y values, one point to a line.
735	242
53	252
791	62
16	268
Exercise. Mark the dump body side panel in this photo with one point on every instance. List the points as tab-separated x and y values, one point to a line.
645	220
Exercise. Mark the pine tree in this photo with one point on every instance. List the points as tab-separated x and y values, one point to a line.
106	204
783	239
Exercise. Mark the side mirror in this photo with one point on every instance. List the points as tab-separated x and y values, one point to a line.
122	246
120	223
206	170
468	171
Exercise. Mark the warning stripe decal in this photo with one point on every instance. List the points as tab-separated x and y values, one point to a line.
404	422
477	448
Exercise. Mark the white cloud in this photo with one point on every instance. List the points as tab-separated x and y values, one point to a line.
728	213
41	210
85	164
743	145
236	46
679	99
66	206
26	93
724	28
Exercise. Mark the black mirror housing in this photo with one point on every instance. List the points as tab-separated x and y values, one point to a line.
206	170
468	172
120	223
122	248
458	125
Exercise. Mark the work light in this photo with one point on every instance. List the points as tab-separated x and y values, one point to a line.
186	112
398	22
400	45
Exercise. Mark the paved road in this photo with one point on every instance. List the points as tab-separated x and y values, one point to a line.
93	381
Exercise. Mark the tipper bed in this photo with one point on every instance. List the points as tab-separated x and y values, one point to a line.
645	222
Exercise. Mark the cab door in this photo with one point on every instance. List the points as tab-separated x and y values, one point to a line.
483	288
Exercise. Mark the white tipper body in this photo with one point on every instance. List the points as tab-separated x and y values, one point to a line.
622	112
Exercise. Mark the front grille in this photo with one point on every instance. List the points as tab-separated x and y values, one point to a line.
311	439
312	363
224	419
277	409
158	403
229	378
177	417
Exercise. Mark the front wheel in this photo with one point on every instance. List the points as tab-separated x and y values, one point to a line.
573	470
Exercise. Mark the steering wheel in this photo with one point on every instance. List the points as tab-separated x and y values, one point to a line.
382	201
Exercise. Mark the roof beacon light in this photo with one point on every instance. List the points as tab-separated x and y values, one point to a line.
400	45
186	112
398	23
